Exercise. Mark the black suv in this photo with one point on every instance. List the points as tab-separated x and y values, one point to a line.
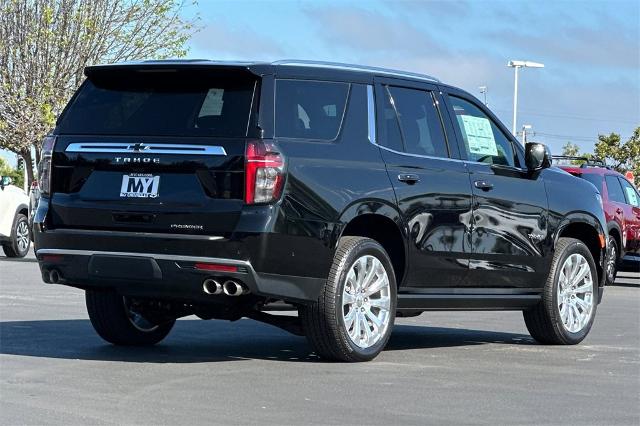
350	194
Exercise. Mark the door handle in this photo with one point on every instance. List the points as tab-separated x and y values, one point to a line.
483	184
408	178
619	211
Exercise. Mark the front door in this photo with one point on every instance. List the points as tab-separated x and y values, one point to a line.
431	183
510	219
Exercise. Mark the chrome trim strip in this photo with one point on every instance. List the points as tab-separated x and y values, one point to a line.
156	256
135	234
352	67
371	114
153	148
422	156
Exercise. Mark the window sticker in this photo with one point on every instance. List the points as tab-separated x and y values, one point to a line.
631	196
479	135
212	104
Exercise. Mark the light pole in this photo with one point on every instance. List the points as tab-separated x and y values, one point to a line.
516	65
483	90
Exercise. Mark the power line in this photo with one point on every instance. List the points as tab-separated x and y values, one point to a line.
571	116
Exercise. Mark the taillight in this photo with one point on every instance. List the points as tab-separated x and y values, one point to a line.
44	169
264	172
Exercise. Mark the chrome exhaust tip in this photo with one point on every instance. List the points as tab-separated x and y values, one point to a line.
211	286
233	288
54	276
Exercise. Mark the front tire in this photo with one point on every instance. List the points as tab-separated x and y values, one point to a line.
569	299
353	317
18	245
116	320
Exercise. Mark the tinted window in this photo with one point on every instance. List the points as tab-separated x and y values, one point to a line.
630	193
390	135
310	109
420	123
614	190
596	180
178	103
483	140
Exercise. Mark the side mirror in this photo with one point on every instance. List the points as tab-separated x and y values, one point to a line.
537	156
5	181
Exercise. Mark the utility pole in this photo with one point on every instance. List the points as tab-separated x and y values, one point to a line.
525	127
483	90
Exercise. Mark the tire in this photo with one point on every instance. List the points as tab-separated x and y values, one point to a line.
545	320
110	312
329	324
611	268
20	241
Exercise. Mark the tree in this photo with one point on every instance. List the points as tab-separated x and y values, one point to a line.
573	150
621	156
16	175
45	45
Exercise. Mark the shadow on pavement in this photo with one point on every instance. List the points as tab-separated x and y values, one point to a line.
194	341
18	259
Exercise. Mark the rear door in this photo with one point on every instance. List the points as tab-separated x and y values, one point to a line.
631	216
510	208
430	182
154	150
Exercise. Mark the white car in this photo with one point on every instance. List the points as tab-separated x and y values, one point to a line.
14	223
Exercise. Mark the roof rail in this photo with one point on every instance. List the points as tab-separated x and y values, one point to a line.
352	67
588	162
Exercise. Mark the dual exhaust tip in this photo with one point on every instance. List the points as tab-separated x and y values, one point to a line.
229	288
52	277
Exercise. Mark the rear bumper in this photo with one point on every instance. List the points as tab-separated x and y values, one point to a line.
161	275
284	261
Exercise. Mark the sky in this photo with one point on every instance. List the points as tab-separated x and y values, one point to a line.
590	84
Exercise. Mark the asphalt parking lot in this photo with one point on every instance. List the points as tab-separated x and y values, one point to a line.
441	367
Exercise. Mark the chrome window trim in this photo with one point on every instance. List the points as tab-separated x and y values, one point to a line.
152	148
371	114
156	256
431	157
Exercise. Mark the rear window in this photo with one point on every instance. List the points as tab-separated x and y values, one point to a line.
168	103
596	180
310	109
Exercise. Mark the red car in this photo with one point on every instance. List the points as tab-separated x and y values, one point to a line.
621	203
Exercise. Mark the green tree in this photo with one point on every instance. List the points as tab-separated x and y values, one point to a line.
45	45
621	156
16	175
573	150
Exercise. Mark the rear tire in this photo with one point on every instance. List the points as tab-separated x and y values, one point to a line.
353	317
20	241
114	319
567	310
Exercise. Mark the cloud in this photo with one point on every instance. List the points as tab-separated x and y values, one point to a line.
367	30
220	38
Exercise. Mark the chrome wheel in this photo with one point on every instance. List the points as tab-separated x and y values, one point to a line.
136	319
22	236
575	293
366	301
611	260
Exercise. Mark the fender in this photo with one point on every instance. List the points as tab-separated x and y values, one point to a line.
9	222
376	207
614	225
579	217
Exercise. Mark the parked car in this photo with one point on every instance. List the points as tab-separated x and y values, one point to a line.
34	197
14	226
353	194
621	203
